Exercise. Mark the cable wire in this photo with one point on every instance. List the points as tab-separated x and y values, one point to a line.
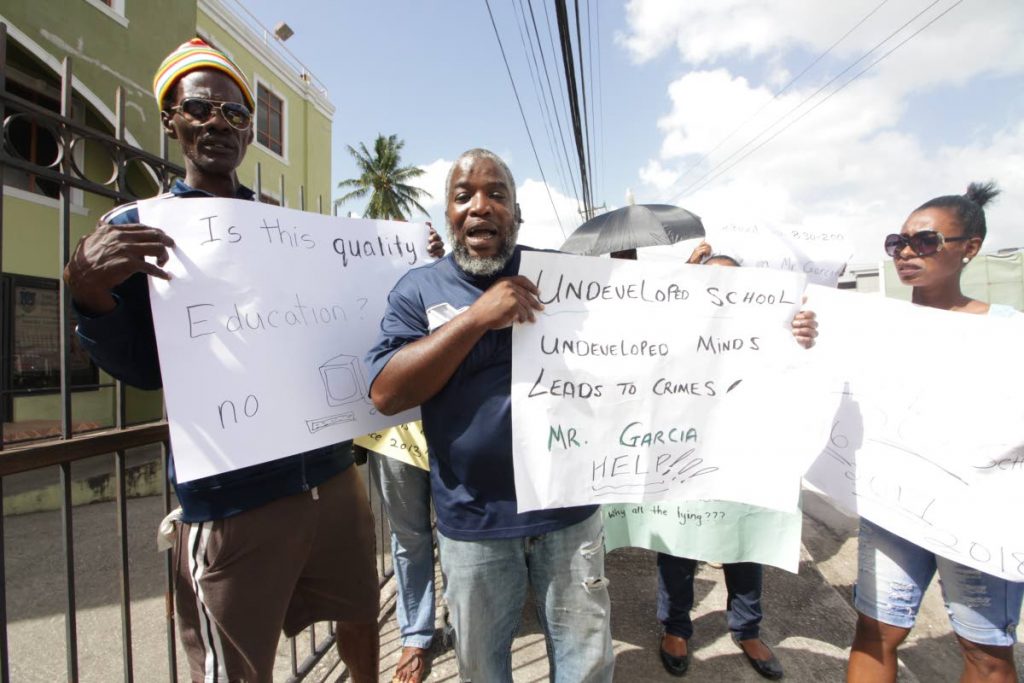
784	88
807	99
515	91
829	96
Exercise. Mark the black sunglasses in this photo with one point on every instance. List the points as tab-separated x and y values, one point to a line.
922	243
200	110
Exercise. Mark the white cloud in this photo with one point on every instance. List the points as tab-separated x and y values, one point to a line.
658	176
853	164
540	226
432	181
972	36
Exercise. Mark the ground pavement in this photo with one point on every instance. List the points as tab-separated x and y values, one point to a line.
808	618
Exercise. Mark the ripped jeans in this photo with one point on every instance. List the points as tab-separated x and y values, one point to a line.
894	573
486	588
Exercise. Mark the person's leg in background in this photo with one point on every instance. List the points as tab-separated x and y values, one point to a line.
675	601
405	494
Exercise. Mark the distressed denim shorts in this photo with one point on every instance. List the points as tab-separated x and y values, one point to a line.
893	574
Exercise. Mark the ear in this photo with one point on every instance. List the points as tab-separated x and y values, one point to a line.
165	121
972	247
518	214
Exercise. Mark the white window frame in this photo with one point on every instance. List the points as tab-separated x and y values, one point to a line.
283	156
115	10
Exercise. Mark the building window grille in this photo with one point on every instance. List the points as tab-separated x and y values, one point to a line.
269	120
31	141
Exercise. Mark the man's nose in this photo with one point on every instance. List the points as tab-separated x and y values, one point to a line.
217	120
479	203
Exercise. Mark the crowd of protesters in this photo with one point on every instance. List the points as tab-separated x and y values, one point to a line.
278	546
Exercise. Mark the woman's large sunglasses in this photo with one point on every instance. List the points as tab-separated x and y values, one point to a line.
200	110
923	242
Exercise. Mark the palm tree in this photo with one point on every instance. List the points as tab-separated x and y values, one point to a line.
391	197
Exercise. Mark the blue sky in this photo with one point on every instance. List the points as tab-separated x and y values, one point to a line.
675	78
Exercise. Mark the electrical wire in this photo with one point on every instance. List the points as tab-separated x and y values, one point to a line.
804	101
829	96
781	91
529	135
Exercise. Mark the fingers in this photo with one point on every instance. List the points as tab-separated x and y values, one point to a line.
136	232
154	270
524	283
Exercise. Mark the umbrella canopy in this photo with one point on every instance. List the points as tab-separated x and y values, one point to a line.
640	225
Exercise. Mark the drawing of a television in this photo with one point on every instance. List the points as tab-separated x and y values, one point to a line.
344	381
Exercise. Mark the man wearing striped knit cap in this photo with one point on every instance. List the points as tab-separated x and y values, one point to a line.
266	548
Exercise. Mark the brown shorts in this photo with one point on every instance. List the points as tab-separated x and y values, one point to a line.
297	560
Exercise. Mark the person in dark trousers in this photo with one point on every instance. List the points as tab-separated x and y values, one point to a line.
743	580
265	548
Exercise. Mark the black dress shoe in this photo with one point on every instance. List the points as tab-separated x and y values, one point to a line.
769	668
677	666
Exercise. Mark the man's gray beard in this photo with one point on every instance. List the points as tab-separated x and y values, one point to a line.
483	266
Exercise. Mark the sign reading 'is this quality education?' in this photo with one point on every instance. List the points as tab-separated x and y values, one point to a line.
262	328
661	381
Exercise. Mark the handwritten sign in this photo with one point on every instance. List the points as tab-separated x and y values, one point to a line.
928	440
660	381
263	326
820	254
405	442
706	530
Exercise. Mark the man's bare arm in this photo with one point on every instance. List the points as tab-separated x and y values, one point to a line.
421	369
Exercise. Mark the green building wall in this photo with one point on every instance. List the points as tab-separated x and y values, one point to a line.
107	53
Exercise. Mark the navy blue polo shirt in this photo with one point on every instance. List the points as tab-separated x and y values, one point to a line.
468	423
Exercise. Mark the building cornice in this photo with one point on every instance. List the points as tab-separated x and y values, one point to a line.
269	58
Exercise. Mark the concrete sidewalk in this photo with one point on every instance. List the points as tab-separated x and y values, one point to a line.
808	618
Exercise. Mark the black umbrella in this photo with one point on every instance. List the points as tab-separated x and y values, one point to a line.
639	225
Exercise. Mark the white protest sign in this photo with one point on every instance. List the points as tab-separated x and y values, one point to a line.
928	441
660	381
263	327
822	255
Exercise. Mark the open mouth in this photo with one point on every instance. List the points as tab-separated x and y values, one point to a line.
481	235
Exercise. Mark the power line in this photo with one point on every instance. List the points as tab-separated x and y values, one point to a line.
551	90
829	96
600	99
531	62
782	90
800	105
583	96
562	17
529	135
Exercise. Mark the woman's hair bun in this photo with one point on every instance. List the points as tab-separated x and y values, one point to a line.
981	193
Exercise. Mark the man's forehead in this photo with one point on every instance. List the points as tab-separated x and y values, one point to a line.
210	81
479	169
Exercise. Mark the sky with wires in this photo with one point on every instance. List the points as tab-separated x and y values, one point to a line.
834	118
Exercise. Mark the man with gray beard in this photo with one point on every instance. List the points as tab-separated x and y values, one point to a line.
446	345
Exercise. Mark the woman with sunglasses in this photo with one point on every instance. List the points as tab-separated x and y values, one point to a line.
937	241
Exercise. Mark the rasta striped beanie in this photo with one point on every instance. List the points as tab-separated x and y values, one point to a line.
197	54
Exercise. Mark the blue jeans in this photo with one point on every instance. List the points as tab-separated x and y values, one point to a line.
486	588
405	492
893	574
675	596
